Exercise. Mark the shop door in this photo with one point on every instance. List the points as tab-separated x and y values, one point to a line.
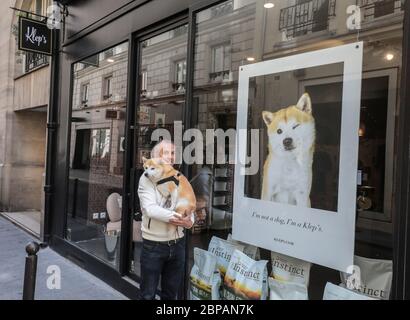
160	104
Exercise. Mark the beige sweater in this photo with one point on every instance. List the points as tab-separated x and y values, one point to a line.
155	218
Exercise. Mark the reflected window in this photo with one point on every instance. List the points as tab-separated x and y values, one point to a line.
180	76
221	62
107	87
84	93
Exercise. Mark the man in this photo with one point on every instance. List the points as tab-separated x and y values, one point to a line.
163	254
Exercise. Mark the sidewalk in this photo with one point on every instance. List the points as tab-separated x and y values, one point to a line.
75	282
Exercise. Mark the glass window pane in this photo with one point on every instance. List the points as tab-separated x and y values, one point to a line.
96	156
239	32
161	105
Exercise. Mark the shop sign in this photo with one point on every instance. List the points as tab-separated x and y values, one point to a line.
35	36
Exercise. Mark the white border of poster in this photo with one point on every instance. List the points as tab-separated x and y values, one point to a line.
318	236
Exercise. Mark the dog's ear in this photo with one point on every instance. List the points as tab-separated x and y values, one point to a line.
267	117
144	159
305	104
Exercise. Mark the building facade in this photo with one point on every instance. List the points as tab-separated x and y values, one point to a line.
25	96
170	62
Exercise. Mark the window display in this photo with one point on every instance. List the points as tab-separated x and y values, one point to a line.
342	148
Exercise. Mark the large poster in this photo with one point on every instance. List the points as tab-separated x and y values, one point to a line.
301	200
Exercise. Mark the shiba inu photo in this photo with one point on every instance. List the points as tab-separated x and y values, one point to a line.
287	172
171	184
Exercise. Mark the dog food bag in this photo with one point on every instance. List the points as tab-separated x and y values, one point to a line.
372	277
222	250
280	290
245	279
334	292
205	280
285	268
250	250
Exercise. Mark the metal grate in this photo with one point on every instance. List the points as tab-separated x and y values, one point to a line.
35	60
306	17
379	8
222	9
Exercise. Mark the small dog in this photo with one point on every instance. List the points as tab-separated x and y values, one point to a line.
171	184
287	173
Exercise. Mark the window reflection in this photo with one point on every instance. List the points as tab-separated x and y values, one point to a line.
238	32
96	153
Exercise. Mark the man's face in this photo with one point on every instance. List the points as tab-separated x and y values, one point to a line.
168	154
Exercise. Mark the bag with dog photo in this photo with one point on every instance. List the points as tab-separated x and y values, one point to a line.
279	290
372	277
205	280
245	279
285	268
250	250
222	250
334	292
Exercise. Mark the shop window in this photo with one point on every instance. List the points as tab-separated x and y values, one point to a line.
221	62
94	199
216	106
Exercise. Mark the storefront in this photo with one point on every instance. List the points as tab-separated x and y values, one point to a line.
129	67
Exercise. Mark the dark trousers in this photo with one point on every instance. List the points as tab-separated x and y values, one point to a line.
165	262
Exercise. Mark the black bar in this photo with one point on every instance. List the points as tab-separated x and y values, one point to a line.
401	209
28	12
52	126
74	202
126	220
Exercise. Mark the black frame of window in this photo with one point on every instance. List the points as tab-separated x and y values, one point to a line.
145	19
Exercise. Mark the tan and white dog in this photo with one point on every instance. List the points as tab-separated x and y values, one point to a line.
171	184
287	173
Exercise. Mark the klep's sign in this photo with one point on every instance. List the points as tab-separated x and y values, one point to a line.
35	36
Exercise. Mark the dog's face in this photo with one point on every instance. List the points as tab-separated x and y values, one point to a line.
291	130
156	169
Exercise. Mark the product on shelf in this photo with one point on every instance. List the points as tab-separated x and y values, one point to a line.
334	292
280	290
372	277
205	280
250	250
245	279
223	250
285	268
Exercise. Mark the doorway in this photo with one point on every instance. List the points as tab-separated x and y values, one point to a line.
160	104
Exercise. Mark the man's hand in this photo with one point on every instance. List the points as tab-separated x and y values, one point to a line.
182	221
